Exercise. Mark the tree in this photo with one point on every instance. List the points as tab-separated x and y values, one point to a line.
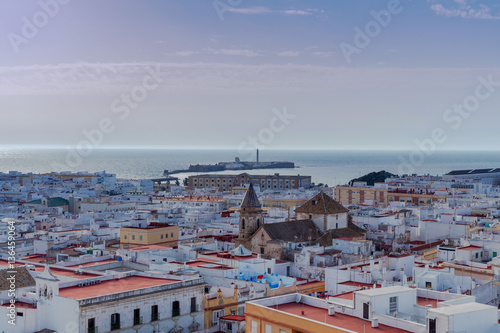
177	183
373	177
185	182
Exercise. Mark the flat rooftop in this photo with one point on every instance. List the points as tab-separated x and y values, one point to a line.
92	263
150	247
340	320
114	286
55	271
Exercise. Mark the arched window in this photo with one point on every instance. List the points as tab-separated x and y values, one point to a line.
243	224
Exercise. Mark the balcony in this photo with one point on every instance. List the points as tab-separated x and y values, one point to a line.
155	316
176	312
92	330
115	326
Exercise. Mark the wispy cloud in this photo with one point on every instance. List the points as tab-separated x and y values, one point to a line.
250	10
323	54
113	79
465	10
288	53
296	12
233	52
265	10
186	53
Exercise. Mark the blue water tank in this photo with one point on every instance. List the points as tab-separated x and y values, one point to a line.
119	258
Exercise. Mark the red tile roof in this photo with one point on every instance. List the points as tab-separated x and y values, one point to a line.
470	248
339	320
113	287
233	317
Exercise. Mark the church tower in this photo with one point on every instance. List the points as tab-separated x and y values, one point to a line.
250	217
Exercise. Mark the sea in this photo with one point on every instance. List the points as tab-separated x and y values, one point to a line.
330	167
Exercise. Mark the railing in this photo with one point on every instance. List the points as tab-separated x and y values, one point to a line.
194	308
176	312
115	326
92	330
155	316
137	320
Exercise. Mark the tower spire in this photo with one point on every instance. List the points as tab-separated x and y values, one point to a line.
251	200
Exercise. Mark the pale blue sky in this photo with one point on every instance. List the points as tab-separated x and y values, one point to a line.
222	78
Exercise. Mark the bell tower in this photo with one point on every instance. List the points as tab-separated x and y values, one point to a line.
250	216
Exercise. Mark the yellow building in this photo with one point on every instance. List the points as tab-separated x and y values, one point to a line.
283	202
154	234
348	195
222	304
229	301
296	313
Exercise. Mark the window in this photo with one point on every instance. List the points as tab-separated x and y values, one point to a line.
161	236
176	309
268	329
428	285
140	237
393	304
254	327
269	270
19	314
193	304
166	235
125	237
243	224
216	314
137	317
115	321
171	234
91	326
432	325
261	250
133	237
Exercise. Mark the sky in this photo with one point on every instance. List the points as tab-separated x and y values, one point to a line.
323	74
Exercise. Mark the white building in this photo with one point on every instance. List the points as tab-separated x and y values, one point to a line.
126	303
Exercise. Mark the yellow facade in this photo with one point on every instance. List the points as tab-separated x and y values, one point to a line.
158	235
283	202
222	305
348	195
281	322
230	305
